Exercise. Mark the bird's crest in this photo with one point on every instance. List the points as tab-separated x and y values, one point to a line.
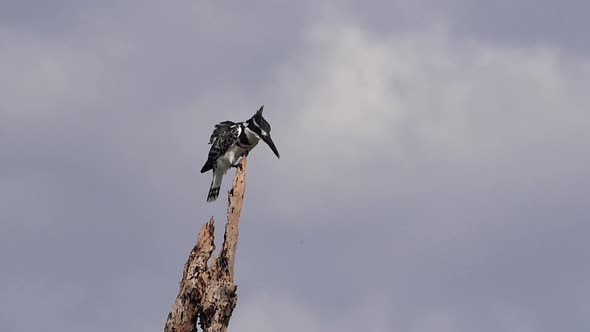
260	121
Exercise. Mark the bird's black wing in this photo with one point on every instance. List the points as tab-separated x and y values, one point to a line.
224	135
220	128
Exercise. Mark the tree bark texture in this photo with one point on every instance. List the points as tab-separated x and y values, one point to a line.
207	292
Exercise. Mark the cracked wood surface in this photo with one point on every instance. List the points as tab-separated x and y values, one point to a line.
208	293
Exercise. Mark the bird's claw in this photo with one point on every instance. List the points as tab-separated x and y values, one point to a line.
239	163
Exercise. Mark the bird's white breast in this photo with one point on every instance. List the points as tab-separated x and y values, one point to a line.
230	157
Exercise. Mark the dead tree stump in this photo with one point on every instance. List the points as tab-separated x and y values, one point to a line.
208	293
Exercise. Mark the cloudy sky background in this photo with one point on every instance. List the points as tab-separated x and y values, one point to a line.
434	176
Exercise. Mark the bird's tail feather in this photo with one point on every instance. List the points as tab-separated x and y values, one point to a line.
215	186
213	194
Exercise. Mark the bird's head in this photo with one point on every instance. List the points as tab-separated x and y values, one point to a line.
262	128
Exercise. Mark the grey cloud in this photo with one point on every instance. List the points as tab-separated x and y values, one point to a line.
523	22
529	23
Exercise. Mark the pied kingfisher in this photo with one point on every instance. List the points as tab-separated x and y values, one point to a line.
231	140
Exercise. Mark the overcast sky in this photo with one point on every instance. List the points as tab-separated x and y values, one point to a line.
434	172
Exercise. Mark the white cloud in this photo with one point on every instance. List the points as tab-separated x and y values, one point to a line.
410	111
457	98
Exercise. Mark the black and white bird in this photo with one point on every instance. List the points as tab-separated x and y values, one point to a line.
229	141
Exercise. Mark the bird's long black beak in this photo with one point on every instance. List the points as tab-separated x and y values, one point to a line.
268	140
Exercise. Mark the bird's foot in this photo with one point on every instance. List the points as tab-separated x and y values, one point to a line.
238	165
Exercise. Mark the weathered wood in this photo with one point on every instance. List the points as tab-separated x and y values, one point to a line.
234	209
208	293
186	308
